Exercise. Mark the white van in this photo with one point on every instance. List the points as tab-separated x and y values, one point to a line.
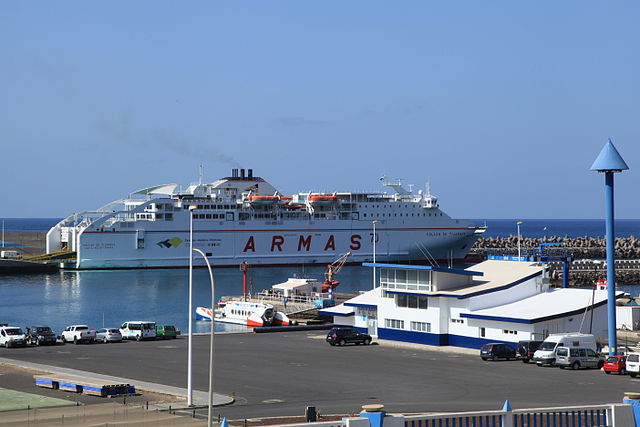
138	330
12	336
633	364
546	353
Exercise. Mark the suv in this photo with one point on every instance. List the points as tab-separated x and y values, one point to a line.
578	357
12	336
342	336
38	335
526	349
497	350
633	364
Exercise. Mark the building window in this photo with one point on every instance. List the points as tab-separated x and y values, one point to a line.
506	331
482	333
394	323
457	321
412	301
421	327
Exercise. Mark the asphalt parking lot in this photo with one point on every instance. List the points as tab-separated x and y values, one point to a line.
279	374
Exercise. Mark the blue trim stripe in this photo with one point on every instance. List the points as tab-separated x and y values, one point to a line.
330	313
436	339
424	267
530	321
351	304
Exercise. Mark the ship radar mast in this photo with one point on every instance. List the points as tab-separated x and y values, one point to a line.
429	200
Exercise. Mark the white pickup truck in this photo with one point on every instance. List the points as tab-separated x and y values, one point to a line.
78	333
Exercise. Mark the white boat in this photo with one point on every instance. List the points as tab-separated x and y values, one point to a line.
247	313
243	217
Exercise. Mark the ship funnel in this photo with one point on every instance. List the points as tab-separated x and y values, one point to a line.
242	173
250	173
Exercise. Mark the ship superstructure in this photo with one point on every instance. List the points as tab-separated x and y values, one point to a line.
243	217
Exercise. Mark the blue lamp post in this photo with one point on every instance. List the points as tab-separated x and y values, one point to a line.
609	161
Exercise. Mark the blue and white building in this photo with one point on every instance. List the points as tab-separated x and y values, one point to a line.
494	301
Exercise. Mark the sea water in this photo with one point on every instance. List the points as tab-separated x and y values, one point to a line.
108	298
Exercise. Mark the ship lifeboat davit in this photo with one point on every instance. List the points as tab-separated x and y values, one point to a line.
322	199
204	313
260	200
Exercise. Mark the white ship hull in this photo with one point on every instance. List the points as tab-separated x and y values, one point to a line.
142	236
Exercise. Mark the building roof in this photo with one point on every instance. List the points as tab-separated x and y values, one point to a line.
496	276
339	310
367	299
294	283
553	304
465	272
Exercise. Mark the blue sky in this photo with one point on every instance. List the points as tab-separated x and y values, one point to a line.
502	105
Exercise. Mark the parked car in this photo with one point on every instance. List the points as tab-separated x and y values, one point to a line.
108	335
616	364
138	330
12	336
526	349
578	358
166	331
633	364
78	334
38	335
342	336
497	350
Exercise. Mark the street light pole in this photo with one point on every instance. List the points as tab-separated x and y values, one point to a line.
190	338
374	252
518	224
213	302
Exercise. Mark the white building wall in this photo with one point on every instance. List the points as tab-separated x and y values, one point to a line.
515	293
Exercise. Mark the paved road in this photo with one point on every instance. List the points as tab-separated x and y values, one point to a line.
282	373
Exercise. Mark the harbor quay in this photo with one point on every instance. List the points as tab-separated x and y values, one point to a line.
281	374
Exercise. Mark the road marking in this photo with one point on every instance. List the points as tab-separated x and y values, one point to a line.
273	401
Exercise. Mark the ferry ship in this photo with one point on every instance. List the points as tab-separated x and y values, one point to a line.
244	218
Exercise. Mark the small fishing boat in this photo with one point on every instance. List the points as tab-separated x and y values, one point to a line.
247	313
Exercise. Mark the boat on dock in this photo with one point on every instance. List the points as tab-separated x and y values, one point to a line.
248	313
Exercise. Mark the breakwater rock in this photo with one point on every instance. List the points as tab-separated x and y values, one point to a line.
583	271
582	247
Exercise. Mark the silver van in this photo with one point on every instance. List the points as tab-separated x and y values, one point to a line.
578	357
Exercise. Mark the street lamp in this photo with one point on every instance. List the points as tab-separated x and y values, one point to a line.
518	224
213	302
190	342
374	222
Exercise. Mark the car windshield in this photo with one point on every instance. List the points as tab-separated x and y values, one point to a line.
14	331
44	329
612	359
113	331
547	346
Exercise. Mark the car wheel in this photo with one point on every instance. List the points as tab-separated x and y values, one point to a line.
553	363
525	360
623	371
138	337
75	340
342	342
607	372
367	341
494	358
561	367
600	364
575	366
484	358
633	374
332	344
104	340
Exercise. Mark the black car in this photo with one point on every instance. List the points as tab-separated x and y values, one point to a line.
342	336
496	350
39	335
526	350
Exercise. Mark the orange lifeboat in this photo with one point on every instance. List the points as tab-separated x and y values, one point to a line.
322	199
260	200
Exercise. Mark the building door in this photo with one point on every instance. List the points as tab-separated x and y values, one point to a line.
372	326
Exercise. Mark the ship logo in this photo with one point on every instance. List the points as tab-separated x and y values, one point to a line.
170	243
